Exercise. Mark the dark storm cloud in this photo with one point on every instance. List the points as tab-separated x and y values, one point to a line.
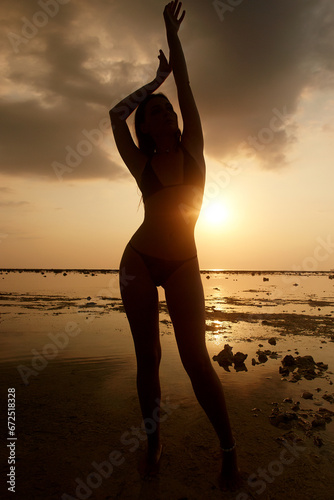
249	63
263	55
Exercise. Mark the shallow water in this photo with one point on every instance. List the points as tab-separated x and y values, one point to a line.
37	307
78	318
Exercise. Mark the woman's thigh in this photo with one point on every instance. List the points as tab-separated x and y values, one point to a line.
186	305
141	303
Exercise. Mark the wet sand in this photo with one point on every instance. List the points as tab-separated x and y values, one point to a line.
77	405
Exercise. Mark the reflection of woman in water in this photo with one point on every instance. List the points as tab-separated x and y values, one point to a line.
169	169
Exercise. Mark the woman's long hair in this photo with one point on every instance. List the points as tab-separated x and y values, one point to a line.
145	141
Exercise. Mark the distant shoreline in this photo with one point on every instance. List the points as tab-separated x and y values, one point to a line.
203	271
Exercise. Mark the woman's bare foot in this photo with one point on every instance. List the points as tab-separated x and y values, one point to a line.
229	478
149	465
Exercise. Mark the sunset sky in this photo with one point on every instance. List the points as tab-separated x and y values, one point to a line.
262	72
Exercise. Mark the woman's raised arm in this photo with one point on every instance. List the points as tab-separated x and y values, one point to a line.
192	129
127	148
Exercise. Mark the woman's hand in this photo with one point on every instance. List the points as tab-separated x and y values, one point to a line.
171	13
164	67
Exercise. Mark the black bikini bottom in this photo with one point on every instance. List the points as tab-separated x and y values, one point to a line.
160	269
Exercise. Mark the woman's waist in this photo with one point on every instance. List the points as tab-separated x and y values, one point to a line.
183	219
168	207
163	243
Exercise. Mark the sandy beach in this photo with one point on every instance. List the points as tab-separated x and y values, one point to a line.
67	351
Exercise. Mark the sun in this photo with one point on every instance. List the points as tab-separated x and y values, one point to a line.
215	213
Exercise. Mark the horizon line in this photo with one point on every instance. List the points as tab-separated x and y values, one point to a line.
106	270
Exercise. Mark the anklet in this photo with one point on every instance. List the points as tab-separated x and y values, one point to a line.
229	449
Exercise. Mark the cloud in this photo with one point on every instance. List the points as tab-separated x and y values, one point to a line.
13	204
36	137
6	190
60	81
262	57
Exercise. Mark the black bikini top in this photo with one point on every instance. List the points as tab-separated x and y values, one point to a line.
192	175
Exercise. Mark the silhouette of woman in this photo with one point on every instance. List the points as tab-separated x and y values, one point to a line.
169	169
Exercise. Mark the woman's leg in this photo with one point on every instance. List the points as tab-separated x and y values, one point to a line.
185	301
140	299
